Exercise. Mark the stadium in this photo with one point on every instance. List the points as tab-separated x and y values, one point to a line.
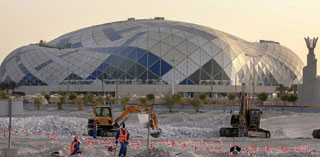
150	56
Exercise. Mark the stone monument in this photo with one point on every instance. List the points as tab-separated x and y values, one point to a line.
309	90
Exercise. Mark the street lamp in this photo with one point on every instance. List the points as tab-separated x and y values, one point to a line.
102	84
68	85
253	74
174	73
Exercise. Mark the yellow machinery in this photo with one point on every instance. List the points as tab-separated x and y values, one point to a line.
108	127
246	123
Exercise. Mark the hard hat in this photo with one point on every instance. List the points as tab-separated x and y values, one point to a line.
76	138
122	123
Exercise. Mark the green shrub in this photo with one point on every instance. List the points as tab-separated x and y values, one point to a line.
124	102
47	96
62	100
262	97
196	103
168	101
38	102
150	97
3	95
293	98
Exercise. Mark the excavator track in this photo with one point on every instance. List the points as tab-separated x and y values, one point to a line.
252	132
259	133
229	132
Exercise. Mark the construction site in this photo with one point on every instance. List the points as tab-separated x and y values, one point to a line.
243	131
181	78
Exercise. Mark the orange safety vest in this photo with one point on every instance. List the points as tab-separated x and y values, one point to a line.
72	148
123	137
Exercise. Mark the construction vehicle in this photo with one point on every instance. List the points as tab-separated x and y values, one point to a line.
247	122
107	127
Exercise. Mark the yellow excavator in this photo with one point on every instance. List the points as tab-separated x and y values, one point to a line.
107	127
247	122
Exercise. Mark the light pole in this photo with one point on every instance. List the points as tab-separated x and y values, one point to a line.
253	75
117	91
174	74
211	90
68	76
102	82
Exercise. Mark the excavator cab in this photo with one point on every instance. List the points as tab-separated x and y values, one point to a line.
254	118
104	119
102	111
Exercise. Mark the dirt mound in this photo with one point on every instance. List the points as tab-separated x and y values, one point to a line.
155	153
61	126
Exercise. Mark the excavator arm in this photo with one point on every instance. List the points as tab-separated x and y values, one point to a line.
126	114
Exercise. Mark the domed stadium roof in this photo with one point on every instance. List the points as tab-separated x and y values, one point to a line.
149	50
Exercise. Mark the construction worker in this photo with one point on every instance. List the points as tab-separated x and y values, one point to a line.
75	147
123	137
95	127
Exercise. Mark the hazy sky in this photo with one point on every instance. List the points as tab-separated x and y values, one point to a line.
287	21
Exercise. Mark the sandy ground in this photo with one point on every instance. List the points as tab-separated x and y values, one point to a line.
39	133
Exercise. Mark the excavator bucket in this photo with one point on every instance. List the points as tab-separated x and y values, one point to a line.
156	134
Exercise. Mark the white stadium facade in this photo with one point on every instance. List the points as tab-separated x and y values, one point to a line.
150	56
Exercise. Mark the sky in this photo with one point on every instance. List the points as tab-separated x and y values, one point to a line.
286	21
